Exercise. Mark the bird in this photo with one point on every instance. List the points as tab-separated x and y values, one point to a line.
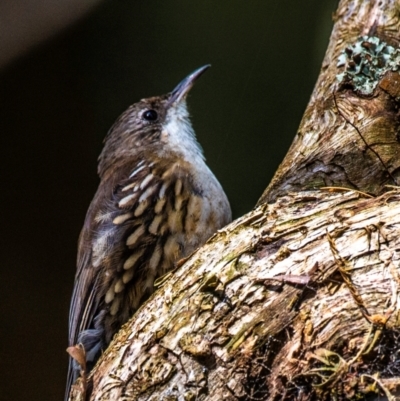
156	203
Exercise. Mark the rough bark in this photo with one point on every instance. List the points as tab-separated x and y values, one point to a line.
299	299
345	137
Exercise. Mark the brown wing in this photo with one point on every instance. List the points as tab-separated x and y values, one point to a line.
100	246
135	229
150	221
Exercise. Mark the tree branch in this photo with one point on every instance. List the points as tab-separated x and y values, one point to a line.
298	299
347	138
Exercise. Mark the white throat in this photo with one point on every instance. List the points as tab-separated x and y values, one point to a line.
178	134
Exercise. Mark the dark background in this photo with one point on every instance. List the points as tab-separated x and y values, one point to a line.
58	101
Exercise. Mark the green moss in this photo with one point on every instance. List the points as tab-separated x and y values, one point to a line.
365	62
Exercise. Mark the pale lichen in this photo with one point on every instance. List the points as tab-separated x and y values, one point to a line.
365	62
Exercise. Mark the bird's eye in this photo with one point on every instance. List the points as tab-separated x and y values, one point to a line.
150	115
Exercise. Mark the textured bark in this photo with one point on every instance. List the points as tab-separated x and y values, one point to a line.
299	299
346	139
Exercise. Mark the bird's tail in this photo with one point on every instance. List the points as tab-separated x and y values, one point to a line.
92	343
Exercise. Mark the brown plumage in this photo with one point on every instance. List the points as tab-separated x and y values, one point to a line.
156	203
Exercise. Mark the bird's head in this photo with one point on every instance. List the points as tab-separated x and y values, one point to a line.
158	126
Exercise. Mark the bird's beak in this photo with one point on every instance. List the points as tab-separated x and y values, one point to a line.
182	89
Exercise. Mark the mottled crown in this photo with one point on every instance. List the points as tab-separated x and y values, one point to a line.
153	128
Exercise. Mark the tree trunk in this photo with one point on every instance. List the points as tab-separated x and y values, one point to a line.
298	299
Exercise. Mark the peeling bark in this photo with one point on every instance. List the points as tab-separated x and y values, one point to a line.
298	299
262	311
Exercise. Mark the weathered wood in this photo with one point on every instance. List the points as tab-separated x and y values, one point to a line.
262	310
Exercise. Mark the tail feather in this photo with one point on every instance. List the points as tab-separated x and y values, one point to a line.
92	341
